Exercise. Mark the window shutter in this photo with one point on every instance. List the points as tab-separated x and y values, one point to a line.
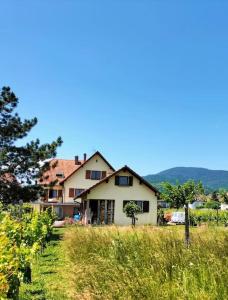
71	192
130	180
117	180
88	174
60	193
125	202
145	206
103	174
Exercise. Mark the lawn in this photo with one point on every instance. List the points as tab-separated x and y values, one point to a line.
125	263
47	282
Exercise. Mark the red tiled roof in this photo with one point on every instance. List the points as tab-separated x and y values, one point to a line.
64	166
8	178
67	167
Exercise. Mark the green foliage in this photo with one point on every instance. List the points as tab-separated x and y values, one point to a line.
146	263
212	204
223	196
48	281
21	237
161	217
214	196
178	195
131	209
208	216
20	166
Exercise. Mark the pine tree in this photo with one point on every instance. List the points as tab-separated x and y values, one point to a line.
20	166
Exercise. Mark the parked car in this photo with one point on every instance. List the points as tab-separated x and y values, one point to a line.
224	206
178	217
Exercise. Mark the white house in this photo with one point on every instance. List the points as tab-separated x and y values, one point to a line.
66	179
93	187
104	202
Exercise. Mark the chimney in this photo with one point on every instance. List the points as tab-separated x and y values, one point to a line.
77	162
85	156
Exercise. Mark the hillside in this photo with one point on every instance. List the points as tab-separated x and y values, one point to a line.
211	179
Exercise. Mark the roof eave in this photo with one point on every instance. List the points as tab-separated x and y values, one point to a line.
115	173
82	165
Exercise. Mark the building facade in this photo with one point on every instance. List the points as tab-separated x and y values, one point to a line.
104	202
93	188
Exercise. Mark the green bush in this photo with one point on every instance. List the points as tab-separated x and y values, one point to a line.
209	216
212	205
22	234
131	209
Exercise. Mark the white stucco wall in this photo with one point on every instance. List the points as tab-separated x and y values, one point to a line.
78	180
110	191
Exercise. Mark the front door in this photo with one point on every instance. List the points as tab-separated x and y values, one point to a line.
102	211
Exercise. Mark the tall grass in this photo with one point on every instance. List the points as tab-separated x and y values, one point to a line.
146	263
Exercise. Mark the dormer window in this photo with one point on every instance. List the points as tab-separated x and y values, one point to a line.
59	175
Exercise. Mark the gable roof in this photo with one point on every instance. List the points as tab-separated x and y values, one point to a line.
85	162
125	168
68	168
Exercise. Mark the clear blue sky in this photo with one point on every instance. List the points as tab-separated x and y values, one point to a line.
144	82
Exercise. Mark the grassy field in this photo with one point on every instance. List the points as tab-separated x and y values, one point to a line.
147	263
47	280
125	263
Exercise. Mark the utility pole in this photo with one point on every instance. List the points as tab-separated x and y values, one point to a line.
187	230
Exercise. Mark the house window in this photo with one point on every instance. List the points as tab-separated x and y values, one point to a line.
75	192
140	204
95	175
124	180
53	194
144	205
78	192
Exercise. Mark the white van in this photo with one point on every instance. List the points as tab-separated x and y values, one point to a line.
178	217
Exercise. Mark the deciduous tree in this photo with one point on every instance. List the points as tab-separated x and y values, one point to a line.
180	196
223	196
131	209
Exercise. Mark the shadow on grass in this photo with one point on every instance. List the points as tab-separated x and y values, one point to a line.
37	292
46	255
48	272
56	235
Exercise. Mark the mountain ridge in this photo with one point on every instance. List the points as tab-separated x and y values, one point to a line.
211	179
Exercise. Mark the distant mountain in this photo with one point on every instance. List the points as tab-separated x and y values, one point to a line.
211	179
